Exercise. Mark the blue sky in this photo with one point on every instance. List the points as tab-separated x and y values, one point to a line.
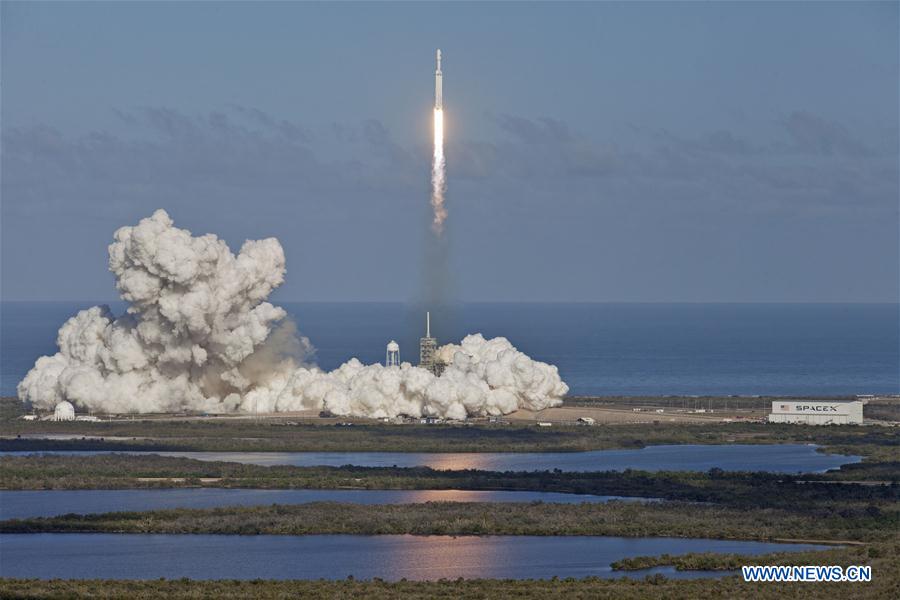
737	152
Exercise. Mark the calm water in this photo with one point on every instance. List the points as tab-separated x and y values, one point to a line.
632	349
48	503
392	557
776	458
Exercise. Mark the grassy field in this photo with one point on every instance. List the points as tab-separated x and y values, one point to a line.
282	434
114	471
858	503
883	587
881	550
710	561
869	538
628	519
881	408
716	403
877	408
881	443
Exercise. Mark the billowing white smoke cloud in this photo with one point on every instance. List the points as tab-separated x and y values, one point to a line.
199	335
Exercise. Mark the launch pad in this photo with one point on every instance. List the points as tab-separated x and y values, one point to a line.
428	345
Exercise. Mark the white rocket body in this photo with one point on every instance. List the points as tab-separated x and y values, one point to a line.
438	85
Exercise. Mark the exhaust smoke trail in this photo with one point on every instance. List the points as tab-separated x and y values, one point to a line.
438	175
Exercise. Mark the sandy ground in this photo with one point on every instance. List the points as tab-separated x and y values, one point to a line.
561	415
299	414
626	415
179	479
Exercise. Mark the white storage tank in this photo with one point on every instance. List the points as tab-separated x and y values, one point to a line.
807	412
64	411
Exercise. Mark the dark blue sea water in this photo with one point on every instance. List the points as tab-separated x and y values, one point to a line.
392	557
631	349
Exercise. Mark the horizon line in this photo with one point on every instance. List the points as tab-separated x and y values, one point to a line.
463	302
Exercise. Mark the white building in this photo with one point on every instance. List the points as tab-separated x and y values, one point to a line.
64	411
817	413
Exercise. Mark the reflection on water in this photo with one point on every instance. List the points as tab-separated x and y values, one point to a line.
776	458
392	557
47	503
780	458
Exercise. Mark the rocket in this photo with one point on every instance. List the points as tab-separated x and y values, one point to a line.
438	85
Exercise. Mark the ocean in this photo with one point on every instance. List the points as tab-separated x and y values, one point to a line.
600	349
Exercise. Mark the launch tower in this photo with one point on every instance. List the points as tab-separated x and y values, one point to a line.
427	346
428	350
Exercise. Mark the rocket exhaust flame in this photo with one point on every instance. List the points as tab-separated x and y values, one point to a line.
438	174
438	165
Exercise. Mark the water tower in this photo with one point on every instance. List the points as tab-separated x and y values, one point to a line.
392	356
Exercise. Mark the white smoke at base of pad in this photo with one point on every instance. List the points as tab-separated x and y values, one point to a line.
199	335
438	174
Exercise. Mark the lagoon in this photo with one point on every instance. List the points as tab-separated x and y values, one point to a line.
48	503
776	458
773	458
391	557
